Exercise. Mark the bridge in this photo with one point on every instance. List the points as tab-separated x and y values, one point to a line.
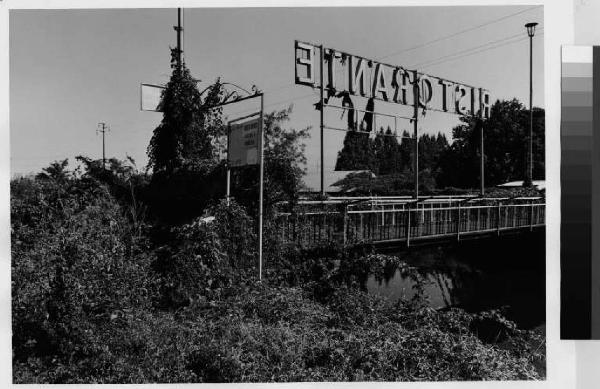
402	220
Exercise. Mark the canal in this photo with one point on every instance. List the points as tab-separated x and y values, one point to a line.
506	272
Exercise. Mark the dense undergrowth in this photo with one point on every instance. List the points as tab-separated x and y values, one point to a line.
97	298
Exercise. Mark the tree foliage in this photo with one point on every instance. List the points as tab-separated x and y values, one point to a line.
390	161
443	164
283	165
56	171
189	126
505	141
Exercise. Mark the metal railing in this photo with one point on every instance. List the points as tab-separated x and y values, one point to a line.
407	222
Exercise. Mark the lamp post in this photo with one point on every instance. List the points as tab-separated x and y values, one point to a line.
529	170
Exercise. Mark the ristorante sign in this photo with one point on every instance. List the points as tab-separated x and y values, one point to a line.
359	76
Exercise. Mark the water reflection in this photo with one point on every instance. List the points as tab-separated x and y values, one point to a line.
506	272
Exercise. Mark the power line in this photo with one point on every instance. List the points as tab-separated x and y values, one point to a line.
477	51
465	53
339	70
487	44
458	33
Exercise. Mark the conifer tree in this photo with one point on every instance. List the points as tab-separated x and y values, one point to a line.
357	152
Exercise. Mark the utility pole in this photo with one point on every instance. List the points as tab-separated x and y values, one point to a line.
179	29
103	127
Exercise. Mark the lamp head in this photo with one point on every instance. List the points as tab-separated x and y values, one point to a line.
531	28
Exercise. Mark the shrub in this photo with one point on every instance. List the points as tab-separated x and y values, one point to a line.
71	266
84	285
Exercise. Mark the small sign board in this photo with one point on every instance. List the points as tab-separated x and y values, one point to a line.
244	143
150	97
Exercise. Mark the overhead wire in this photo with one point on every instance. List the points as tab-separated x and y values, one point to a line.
454	57
424	44
440	39
432	62
487	44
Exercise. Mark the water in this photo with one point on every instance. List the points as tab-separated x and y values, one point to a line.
477	275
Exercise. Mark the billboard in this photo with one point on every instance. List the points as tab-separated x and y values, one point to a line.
363	77
244	141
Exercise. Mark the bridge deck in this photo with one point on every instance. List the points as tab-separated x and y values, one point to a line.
406	223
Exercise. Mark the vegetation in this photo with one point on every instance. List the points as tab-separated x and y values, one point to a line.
94	302
443	165
122	276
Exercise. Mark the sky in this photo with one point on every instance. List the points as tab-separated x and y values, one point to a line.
71	69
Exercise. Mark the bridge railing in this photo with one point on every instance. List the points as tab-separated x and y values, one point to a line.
401	223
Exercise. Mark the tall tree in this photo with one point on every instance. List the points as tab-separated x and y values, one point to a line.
357	152
183	149
505	136
431	148
189	126
389	156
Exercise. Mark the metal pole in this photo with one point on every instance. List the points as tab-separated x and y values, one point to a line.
531	216
458	223
482	151
103	149
482	162
179	29
228	195
260	193
415	133
322	113
408	227
345	225
103	131
499	217
529	179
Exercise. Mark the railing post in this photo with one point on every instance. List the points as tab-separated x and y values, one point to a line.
458	223
498	219
294	229
531	216
345	225
408	228
362	231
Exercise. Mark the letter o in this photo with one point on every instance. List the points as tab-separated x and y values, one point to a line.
425	90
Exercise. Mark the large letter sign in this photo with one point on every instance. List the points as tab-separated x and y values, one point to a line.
376	80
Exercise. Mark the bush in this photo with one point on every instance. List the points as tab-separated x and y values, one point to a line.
84	284
72	266
236	231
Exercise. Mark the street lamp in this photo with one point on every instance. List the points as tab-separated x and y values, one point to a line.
529	170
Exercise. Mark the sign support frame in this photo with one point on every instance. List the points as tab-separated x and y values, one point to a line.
415	133
322	120
261	169
482	150
261	187
309	80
